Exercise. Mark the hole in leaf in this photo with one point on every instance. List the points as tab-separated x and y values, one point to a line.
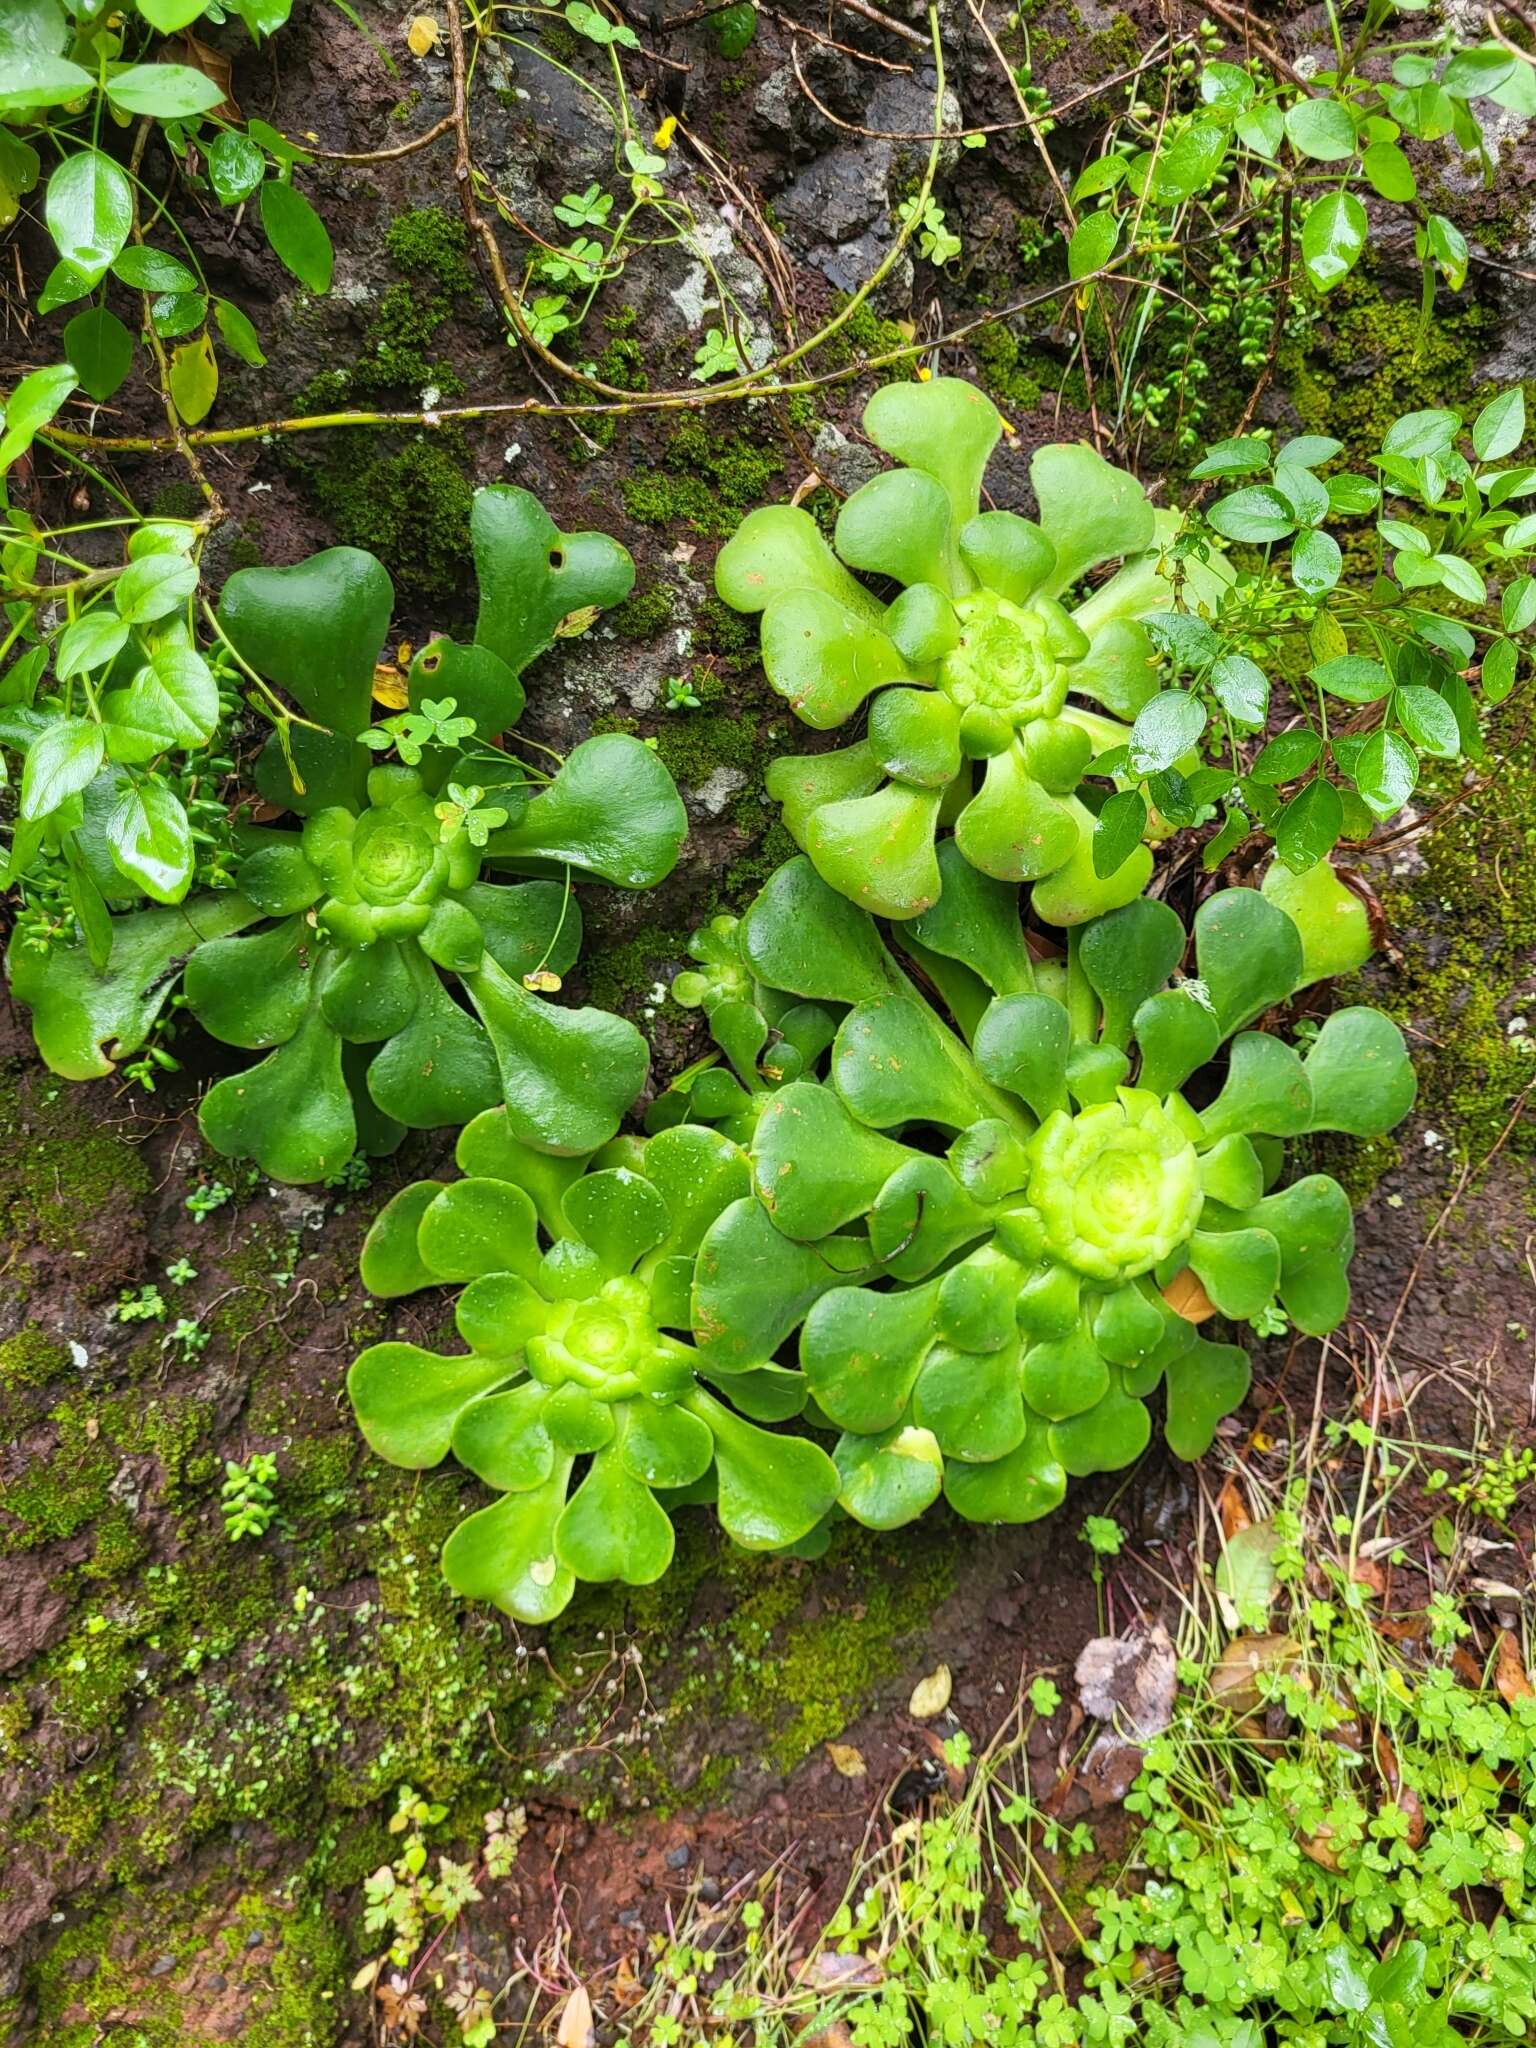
431	663
557	558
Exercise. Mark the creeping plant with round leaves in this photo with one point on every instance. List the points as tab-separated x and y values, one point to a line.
1053	1181
330	957
972	673
576	1282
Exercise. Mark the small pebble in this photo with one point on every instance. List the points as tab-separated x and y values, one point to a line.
677	1859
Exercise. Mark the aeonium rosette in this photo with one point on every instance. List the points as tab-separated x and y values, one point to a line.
974	674
580	1399
1048	1219
365	913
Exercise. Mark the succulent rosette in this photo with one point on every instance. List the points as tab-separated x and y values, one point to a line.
333	955
580	1398
1057	1178
974	674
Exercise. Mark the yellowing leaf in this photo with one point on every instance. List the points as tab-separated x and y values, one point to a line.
846	1759
389	687
930	1696
423	35
194	378
542	982
664	134
576	623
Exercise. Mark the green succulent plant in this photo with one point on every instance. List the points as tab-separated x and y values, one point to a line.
972	672
330	956
1033	1182
576	1279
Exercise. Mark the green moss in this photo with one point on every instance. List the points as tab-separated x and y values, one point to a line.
1007	367
1365	363
693	744
426	242
62	1172
863	336
32	1358
1472	911
706	480
643	614
409	506
619	977
55	1495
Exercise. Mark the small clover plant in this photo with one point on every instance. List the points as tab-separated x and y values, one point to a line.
1044	1214
360	913
974	670
576	1280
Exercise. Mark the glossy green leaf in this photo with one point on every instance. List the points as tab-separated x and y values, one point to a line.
297	235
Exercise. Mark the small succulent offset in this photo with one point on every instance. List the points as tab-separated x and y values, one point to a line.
974	668
577	1281
378	896
1042	1213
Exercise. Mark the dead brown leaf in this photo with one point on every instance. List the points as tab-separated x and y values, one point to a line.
216	66
576	2029
1128	1682
1509	1672
930	1696
1232	1508
1234	1677
1187	1298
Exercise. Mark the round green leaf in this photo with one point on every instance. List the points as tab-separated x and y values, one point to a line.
297	235
169	92
101	349
89	211
1333	232
1322	129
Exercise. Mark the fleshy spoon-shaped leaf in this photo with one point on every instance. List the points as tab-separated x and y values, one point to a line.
1127	956
314	630
801	935
1204	1383
506	1553
407	1400
803	783
921	1215
697	1174
1239	1269
620	1215
1333	921
1089	511
391	1263
861	1350
895	1062
1007	554
532	576
888	1480
1266	1090
1110	1436
1065	1376
613	1526
292	1112
568	1075
1076	892
946	429
1362	1078
1313	1225
780	548
1022	1044
501	1438
879	850
976	920
1248	953
612	810
478	1226
1013	828
824	658
971	1401
897	525
1026	1485
84	1021
815	1167
1177	1031
752	1285
479	682
488	1149
440	1069
772	1489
